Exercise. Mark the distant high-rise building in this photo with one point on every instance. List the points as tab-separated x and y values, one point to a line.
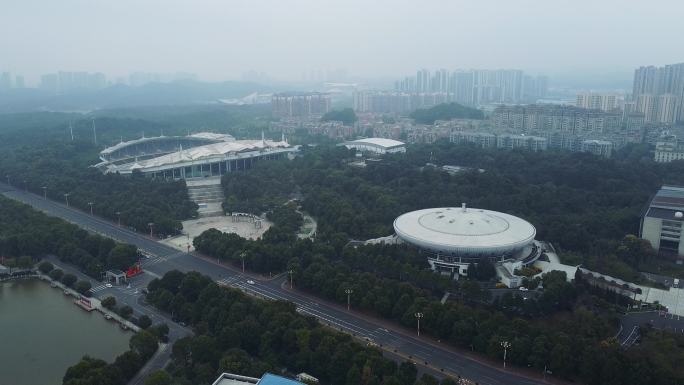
49	83
5	81
477	87
65	82
656	82
19	82
594	101
668	108
647	104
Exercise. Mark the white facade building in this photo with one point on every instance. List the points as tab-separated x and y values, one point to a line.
377	145
453	238
669	149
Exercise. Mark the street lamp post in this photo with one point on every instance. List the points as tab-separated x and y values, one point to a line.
25	186
8	180
151	227
66	198
291	272
505	345
418	317
242	256
44	192
91	207
118	214
348	291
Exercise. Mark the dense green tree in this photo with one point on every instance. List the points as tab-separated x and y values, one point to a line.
109	302
46	267
144	322
82	286
346	116
125	311
445	111
158	377
144	344
56	274
27	231
69	279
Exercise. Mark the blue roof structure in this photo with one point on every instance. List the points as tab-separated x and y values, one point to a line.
272	379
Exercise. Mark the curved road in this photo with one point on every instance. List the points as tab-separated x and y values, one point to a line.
165	258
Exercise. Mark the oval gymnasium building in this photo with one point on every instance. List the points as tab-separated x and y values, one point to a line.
452	238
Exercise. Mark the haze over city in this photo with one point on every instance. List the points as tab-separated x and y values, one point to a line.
313	192
219	40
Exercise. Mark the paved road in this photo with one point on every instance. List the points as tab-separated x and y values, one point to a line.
167	258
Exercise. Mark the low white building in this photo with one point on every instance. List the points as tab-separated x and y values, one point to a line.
377	145
669	149
602	148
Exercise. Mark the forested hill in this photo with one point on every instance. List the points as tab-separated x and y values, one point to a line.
118	96
445	111
36	151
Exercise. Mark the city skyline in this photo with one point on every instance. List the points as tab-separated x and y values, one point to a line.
379	40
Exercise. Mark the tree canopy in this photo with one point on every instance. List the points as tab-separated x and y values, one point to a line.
445	111
347	116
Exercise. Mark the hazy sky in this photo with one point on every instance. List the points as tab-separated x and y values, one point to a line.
221	39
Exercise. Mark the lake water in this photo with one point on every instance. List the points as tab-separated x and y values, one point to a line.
42	333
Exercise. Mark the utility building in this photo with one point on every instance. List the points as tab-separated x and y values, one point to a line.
661	224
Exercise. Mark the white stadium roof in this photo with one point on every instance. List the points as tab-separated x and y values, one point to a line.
378	142
200	135
464	230
200	153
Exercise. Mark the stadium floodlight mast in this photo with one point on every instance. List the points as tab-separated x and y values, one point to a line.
418	317
66	198
44	192
348	291
505	345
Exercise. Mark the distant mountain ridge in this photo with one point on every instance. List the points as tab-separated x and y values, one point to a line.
119	96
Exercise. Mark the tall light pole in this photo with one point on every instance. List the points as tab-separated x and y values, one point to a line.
8	180
91	208
118	214
44	192
291	273
66	198
418	317
25	185
242	255
151	227
505	345
348	291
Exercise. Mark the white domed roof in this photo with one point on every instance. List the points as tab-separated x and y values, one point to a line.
464	230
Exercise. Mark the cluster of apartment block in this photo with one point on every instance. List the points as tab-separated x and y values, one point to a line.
300	104
533	143
547	117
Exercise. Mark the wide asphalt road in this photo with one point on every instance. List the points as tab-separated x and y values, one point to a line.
166	258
